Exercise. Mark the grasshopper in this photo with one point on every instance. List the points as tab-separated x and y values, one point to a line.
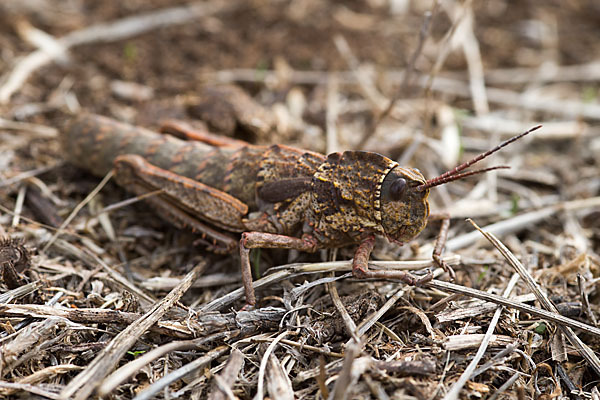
274	196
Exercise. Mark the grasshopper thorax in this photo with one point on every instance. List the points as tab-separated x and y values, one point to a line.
359	192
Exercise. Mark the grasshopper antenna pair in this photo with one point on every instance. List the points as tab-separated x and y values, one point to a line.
455	173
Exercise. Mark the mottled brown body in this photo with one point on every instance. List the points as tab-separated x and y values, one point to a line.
274	189
277	196
350	197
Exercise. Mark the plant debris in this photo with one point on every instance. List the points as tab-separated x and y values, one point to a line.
101	297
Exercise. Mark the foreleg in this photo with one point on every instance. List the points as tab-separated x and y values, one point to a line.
185	131
440	242
360	266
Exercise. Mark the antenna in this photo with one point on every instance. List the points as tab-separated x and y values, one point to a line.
455	174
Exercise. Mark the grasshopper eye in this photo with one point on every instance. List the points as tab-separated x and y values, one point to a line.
397	189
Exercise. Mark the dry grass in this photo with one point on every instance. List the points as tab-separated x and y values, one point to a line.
99	297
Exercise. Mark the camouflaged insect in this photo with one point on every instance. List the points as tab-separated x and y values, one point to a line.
276	196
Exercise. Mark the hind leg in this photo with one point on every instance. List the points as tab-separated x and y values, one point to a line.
183	130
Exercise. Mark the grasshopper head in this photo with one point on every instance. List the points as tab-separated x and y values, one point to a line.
404	208
403	194
402	197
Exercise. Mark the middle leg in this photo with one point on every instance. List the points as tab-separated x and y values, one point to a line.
440	242
254	240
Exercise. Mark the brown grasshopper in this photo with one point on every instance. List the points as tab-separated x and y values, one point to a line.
276	197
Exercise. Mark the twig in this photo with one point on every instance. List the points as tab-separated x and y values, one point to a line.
589	72
466	375
82	386
348	322
80	315
287	271
365	325
76	210
126	371
538	312
263	365
222	385
229	298
473	310
520	221
583	349
344	380
303	346
29	174
407	80
126	202
19	206
29	388
553	130
21	291
167	283
445	47
439	83
174	376
476	340
43	374
40	39
39	130
423	34
509	98
365	83
506	385
333	110
31	221
279	384
585	299
470	48
503	354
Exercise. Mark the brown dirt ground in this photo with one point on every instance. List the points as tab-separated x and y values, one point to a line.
264	45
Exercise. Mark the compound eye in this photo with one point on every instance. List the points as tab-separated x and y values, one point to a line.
397	189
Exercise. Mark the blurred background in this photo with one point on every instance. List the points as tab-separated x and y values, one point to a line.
419	81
